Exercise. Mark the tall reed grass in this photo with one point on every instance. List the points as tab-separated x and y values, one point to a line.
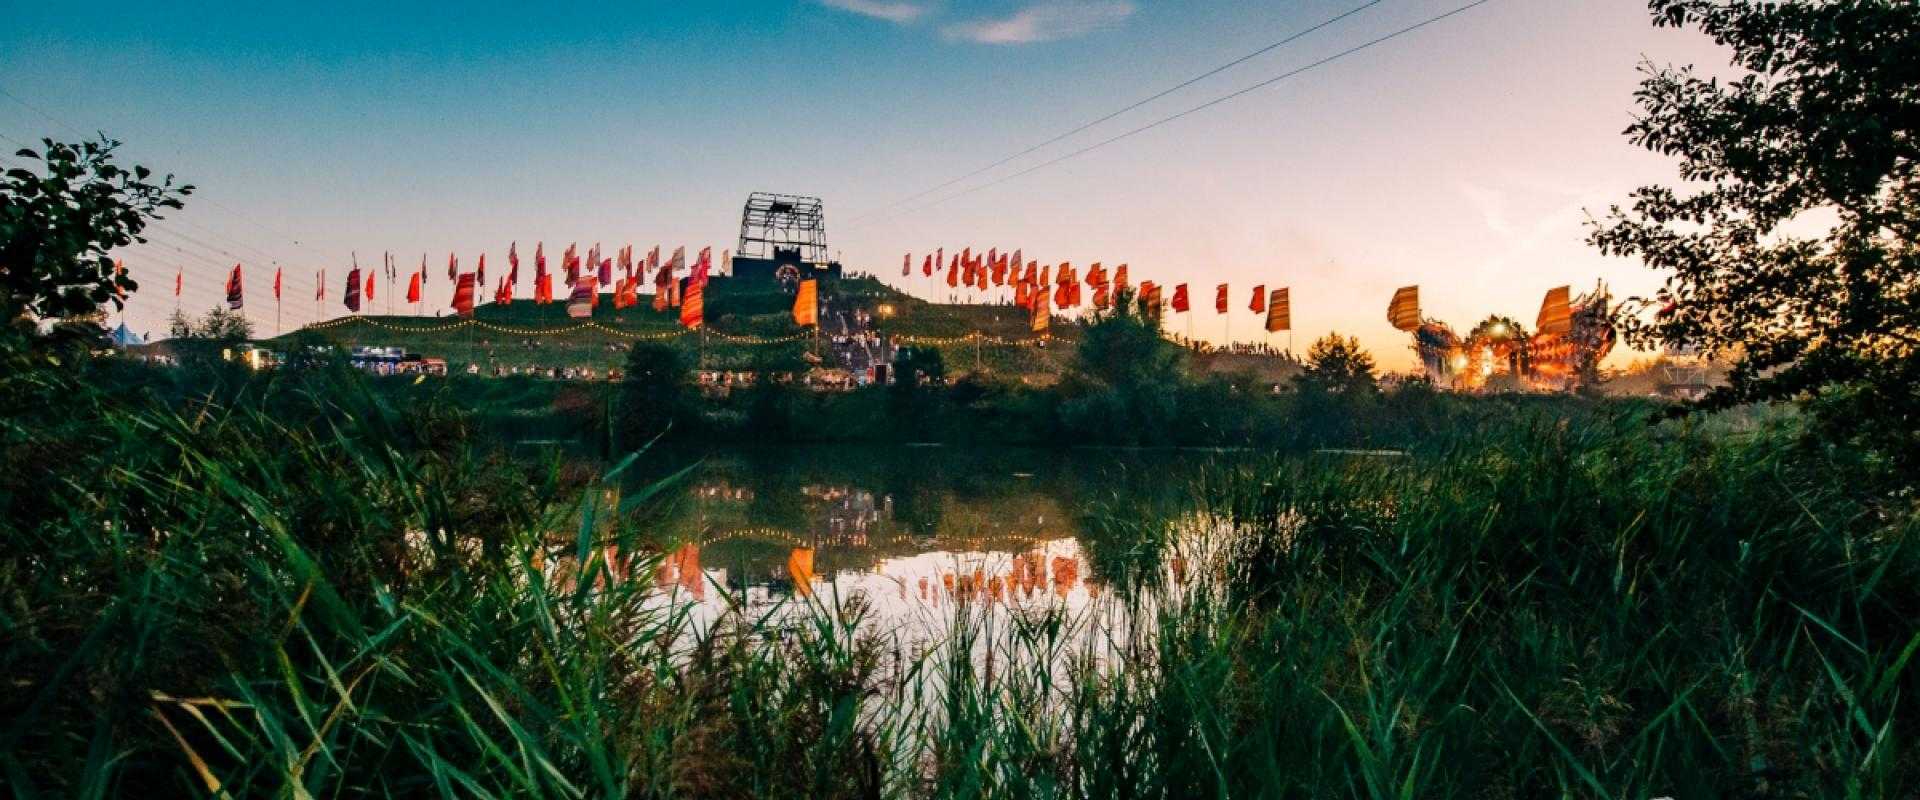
301	589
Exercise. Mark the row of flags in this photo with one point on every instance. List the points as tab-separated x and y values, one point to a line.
1555	317
360	288
1042	288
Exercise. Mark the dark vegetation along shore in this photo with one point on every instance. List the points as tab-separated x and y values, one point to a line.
308	583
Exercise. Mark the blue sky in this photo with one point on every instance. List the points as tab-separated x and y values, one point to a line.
1461	157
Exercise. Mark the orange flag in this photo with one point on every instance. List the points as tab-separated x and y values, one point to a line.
1180	298
1220	299
1404	311
1259	303
693	307
806	304
1556	312
1042	315
1279	311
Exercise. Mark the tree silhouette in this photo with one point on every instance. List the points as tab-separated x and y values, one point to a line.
1818	133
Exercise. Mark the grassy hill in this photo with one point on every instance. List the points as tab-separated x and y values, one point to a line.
746	327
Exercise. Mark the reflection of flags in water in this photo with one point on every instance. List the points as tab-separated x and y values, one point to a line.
800	569
580	304
1404	311
685	565
1556	312
1280	311
806	304
1066	573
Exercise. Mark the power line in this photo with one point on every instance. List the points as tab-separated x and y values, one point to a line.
1136	104
1214	102
235	214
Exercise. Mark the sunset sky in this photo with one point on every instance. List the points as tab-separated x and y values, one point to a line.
1463	156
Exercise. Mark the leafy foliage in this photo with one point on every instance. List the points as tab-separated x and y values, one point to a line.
1819	130
219	325
57	226
1338	362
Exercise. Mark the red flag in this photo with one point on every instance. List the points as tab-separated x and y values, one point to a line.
177	278
463	295
906	266
703	267
276	283
353	290
543	289
480	272
504	295
1120	278
413	288
453	266
926	266
234	297
1259	304
1220	299
320	286
513	262
953	272
1180	298
539	261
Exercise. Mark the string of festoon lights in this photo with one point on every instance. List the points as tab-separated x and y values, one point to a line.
656	336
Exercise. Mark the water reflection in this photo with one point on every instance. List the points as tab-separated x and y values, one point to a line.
911	531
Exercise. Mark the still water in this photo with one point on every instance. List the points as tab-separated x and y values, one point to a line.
908	530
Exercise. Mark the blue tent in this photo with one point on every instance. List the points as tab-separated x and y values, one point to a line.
122	337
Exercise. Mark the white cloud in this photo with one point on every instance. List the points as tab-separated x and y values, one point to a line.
1044	22
889	10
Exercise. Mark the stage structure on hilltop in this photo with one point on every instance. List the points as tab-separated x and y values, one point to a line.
1572	335
783	238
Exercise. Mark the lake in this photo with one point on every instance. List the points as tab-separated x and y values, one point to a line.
908	530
